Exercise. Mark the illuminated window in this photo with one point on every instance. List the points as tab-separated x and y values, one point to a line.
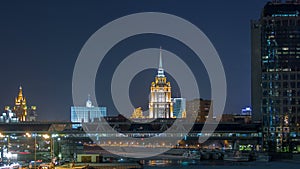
285	48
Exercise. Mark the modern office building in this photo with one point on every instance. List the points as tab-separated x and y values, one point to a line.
179	107
160	105
87	114
275	95
200	108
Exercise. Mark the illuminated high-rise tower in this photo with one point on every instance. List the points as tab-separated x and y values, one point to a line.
160	105
276	74
20	107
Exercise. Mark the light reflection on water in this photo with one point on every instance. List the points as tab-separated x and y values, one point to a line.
190	164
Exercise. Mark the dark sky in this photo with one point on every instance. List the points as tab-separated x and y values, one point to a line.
40	41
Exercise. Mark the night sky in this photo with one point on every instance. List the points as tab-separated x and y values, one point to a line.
40	42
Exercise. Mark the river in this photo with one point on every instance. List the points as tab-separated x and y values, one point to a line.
162	164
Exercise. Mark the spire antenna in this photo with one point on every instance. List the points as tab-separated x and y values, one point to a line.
160	72
20	92
160	58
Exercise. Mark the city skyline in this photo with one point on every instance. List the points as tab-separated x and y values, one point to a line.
40	43
136	84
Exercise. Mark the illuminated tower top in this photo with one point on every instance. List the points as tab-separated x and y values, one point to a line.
160	104
160	71
20	107
20	99
89	102
20	92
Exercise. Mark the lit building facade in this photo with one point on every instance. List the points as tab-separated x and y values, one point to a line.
276	74
8	116
87	114
200	108
247	111
179	107
22	111
137	114
20	107
31	113
160	105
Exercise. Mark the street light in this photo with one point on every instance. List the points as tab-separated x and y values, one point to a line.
29	136
52	146
35	151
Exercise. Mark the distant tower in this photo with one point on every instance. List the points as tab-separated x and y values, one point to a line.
89	102
160	105
20	107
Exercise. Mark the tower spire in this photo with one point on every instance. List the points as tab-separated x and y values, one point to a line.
160	58
160	105
20	107
160	71
89	102
20	95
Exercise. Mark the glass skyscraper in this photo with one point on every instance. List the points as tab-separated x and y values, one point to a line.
275	95
179	107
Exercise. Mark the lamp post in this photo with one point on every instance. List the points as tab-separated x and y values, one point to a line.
35	151
46	137
7	144
28	135
52	147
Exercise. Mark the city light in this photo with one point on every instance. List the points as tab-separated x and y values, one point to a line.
85	123
46	136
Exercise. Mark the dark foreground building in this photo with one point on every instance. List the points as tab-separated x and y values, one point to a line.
276	74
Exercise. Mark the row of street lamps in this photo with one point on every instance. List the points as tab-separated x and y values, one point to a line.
29	135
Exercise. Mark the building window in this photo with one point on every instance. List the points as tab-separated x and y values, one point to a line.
293	77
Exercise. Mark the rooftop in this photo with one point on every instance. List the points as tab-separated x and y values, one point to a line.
281	9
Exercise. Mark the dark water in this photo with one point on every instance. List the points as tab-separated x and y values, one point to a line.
222	165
